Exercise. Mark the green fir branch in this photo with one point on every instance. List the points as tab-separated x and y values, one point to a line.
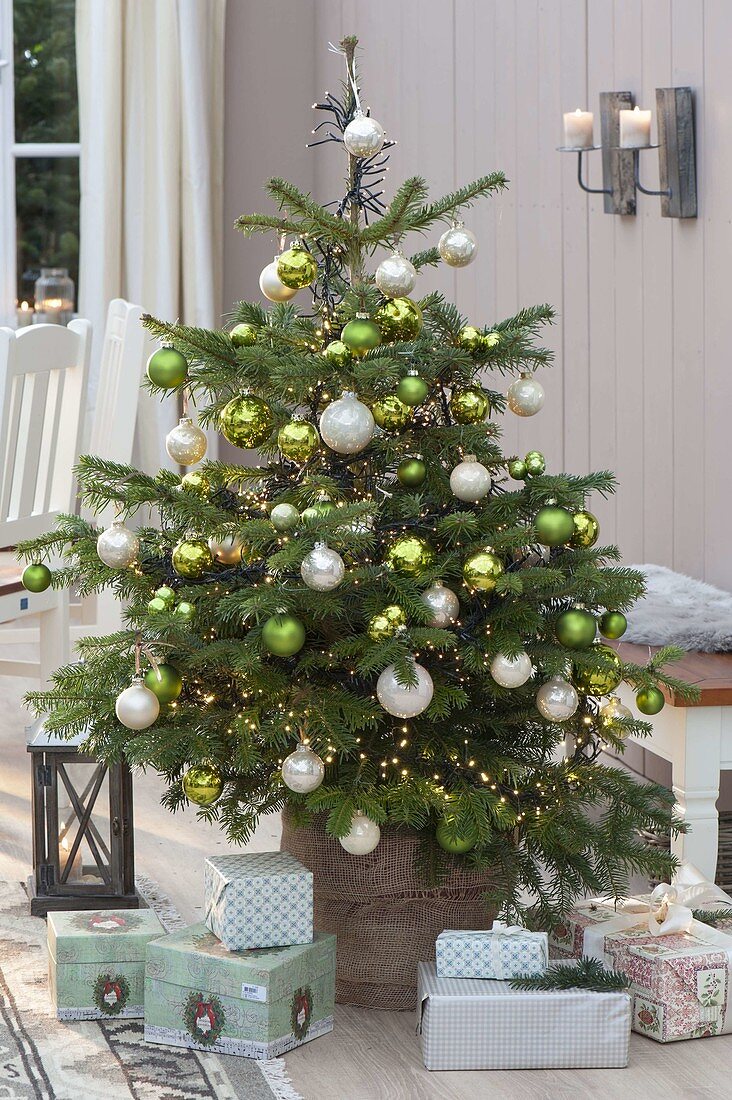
588	974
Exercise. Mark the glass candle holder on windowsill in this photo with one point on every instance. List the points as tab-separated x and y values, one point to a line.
54	297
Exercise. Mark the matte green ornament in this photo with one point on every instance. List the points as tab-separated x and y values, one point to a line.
167	368
36	577
586	529
411	472
196	482
613	625
283	635
284	517
456	847
203	784
243	335
361	335
482	569
192	558
338	354
576	628
165	593
298	441
246	421
386	623
185	611
604	677
517	469
412	390
410	555
400	319
650	700
469	405
554	525
296	268
535	463
317	511
156	606
391	414
166	683
471	338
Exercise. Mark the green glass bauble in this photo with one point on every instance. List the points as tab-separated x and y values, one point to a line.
284	517
650	700
410	555
391	414
456	847
298	440
243	335
296	268
386	623
165	593
203	784
411	472
36	577
338	353
613	625
517	469
196	482
166	683
471	338
491	340
400	319
361	335
317	510
576	629
185	611
469	405
482	569
586	529
192	558
535	463
554	525
156	606
283	635
604	677
246	421
412	390
167	368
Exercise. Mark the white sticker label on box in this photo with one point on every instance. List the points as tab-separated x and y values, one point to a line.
253	992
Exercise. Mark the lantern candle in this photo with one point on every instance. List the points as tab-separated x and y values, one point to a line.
23	315
54	294
578	129
75	870
635	129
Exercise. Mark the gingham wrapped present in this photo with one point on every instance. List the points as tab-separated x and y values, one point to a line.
466	1023
502	952
258	899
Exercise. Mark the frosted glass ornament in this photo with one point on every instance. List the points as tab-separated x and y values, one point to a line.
363	136
401	700
186	443
511	672
443	603
347	425
284	516
118	547
557	700
525	396
611	711
272	286
396	276
137	707
470	480
362	837
322	569
458	246
303	770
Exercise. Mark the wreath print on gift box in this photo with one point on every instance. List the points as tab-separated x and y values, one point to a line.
106	923
111	993
301	1011
204	1017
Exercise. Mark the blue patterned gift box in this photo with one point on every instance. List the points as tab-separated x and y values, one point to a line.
258	899
502	952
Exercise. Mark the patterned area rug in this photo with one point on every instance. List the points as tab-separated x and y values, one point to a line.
95	1060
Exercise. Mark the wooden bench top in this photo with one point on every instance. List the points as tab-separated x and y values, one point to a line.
710	672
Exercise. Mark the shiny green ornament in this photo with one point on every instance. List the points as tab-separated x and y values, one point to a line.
243	335
554	525
185	611
298	441
411	472
36	577
156	606
192	558
296	268
386	623
338	354
576	628
246	421
471	339
412	390
604	677
613	625
456	847
203	784
469	405
482	569
535	463
491	340
317	511
167	368
410	555
166	683
391	414
284	517
196	482
400	319
650	700
361	335
165	593
283	635
517	469
586	530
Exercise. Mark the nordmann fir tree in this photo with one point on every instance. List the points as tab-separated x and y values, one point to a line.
385	619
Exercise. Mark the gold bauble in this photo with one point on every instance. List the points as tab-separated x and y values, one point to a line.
482	569
192	558
400	319
246	421
298	441
386	623
469	405
410	555
196	482
586	529
296	268
391	414
228	550
604	677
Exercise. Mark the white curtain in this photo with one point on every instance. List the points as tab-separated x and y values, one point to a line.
151	107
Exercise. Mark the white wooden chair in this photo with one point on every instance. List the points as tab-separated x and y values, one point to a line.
43	378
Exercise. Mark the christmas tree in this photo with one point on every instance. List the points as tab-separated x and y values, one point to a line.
385	620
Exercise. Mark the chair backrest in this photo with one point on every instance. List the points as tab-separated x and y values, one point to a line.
124	351
43	378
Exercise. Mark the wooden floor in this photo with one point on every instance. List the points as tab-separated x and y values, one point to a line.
370	1055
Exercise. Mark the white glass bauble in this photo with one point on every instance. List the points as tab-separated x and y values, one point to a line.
284	517
363	136
443	603
186	443
228	550
347	425
395	276
272	286
511	672
470	480
118	547
137	707
303	770
322	569
401	700
362	837
611	711
458	246
525	396
557	700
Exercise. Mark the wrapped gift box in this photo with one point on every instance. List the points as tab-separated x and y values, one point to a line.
255	1003
465	1023
500	952
96	962
258	899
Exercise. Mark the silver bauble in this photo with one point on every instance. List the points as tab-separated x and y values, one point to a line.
284	516
362	837
228	550
470	480
118	547
611	711
395	276
525	396
347	425
322	569
303	770
443	603
557	700
401	700
363	136
186	443
511	672
458	246
272	286
137	707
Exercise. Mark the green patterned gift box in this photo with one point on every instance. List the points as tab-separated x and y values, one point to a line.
96	962
255	1003
258	899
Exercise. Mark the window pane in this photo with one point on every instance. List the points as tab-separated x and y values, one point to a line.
47	204
45	71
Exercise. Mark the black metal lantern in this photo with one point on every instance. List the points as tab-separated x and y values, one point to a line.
83	852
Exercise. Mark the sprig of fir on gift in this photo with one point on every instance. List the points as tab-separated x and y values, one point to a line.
586	974
712	916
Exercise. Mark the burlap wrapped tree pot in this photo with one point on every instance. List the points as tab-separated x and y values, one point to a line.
385	917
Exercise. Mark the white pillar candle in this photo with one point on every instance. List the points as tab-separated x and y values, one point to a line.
578	129
635	129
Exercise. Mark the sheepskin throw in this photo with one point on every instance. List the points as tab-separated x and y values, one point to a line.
679	610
